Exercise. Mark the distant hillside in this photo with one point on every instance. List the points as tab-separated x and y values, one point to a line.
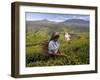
71	24
76	22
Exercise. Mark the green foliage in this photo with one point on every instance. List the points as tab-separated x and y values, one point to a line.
76	51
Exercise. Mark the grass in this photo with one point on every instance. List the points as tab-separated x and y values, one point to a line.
76	51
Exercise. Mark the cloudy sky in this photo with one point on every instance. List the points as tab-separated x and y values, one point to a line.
30	16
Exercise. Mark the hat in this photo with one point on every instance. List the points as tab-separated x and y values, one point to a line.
55	35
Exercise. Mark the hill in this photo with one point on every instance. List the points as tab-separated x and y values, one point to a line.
70	24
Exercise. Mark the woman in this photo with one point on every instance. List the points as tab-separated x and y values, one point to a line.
53	47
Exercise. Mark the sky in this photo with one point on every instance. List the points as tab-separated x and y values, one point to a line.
31	16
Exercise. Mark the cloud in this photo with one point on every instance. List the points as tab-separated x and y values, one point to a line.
81	17
54	17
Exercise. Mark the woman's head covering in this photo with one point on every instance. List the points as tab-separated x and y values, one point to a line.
55	35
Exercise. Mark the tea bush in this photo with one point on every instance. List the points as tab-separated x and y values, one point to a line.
76	51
